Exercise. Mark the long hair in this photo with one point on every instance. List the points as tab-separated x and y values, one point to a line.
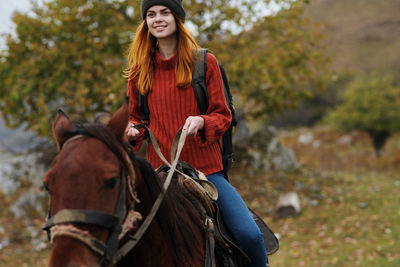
142	52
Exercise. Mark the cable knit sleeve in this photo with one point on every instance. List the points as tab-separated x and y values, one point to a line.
218	116
134	112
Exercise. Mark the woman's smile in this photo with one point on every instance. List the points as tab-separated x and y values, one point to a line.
161	22
160	28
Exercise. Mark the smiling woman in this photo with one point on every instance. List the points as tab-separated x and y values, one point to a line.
161	22
161	64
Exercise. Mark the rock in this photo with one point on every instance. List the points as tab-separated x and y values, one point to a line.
18	140
280	157
261	149
25	169
241	132
288	205
30	204
4	243
316	144
345	140
313	203
17	168
305	139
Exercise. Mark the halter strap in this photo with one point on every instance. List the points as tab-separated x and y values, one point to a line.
83	236
69	140
81	216
96	217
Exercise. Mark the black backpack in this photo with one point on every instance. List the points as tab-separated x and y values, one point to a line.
200	90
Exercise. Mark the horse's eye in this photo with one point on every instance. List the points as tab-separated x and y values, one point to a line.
110	183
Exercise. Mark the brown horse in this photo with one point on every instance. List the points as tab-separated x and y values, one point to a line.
94	182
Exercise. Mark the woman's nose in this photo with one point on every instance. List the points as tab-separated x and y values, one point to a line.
158	17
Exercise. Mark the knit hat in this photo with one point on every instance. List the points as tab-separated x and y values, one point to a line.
174	5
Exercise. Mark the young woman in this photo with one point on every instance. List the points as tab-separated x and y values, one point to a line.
161	58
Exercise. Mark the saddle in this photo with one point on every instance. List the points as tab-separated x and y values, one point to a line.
220	245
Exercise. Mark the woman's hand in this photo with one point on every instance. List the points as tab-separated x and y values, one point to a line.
131	132
193	124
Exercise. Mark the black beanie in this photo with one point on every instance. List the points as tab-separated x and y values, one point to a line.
174	5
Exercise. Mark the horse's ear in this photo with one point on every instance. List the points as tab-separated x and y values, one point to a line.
119	120
61	128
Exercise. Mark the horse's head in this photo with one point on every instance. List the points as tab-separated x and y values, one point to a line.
88	183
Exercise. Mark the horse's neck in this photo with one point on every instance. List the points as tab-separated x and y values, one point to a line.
153	249
176	235
145	204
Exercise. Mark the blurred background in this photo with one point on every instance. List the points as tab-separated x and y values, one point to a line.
317	92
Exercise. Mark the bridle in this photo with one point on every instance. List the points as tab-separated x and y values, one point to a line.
111	252
62	223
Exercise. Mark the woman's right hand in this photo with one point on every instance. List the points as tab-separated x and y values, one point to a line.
131	132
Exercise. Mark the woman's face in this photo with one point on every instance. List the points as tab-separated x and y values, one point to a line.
161	22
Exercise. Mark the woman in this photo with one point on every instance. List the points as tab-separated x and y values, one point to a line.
161	58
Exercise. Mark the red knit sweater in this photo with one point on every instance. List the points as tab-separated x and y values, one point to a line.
169	107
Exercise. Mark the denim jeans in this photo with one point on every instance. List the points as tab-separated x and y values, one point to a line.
239	221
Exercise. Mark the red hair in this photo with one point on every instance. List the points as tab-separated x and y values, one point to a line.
141	56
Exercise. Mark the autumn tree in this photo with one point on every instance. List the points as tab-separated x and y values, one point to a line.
370	104
70	54
273	60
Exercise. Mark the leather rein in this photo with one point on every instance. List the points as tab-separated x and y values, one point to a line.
120	223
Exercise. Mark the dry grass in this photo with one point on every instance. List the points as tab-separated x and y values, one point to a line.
350	205
350	201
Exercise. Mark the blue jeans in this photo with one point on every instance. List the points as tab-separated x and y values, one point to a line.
239	221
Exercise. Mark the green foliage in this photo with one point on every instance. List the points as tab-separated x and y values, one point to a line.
370	104
272	61
70	54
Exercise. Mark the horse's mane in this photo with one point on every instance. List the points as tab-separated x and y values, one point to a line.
177	216
98	131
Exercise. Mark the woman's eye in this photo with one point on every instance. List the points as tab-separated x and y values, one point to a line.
110	183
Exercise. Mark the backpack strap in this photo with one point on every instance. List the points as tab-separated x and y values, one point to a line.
200	90
228	95
200	87
199	81
144	108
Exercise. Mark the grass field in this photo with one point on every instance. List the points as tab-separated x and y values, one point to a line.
350	205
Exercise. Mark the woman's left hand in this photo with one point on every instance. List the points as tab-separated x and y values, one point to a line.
193	124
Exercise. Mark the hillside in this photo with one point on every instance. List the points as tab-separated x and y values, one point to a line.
361	35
